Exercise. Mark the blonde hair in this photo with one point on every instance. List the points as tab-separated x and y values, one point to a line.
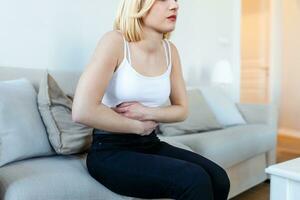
129	19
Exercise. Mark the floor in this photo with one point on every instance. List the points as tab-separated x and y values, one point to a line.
262	191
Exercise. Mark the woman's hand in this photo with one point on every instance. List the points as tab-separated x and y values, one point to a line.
133	110
147	127
137	111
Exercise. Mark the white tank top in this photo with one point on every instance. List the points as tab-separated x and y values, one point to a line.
127	84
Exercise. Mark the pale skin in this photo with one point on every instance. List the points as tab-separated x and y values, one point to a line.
147	57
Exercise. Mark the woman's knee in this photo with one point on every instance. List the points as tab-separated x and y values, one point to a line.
195	176
222	181
225	181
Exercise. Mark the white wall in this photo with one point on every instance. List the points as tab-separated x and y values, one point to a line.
63	34
51	33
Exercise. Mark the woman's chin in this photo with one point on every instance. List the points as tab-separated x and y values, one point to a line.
170	29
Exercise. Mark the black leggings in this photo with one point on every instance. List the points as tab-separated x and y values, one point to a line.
146	167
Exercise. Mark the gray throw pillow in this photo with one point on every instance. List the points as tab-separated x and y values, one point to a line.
22	132
222	106
200	118
65	135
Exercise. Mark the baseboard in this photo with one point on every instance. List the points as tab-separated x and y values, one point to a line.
288	141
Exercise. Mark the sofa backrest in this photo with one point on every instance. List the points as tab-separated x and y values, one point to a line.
66	79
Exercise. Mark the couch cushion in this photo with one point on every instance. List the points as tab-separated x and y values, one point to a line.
231	145
22	132
60	177
57	177
200	117
65	135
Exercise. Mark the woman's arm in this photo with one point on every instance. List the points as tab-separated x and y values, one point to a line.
176	112
87	107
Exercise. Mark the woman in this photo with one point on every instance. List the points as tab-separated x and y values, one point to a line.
134	70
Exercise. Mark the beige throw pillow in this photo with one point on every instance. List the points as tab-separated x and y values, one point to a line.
65	135
200	118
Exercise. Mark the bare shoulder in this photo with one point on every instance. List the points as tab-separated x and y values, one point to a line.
172	45
113	36
174	51
174	54
109	48
111	41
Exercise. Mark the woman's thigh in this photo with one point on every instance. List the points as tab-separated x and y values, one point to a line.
219	177
166	149
142	175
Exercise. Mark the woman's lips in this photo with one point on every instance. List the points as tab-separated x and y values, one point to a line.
172	18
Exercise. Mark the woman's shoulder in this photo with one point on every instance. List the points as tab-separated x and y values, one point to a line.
174	50
111	42
114	37
172	45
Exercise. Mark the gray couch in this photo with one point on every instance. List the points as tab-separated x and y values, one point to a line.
244	151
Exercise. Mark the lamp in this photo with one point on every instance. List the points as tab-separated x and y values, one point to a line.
222	73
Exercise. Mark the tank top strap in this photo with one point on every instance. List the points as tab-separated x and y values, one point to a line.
169	54
125	48
166	51
128	51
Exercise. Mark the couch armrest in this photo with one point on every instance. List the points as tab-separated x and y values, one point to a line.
259	113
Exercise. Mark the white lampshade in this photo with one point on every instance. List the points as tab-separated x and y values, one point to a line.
222	73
